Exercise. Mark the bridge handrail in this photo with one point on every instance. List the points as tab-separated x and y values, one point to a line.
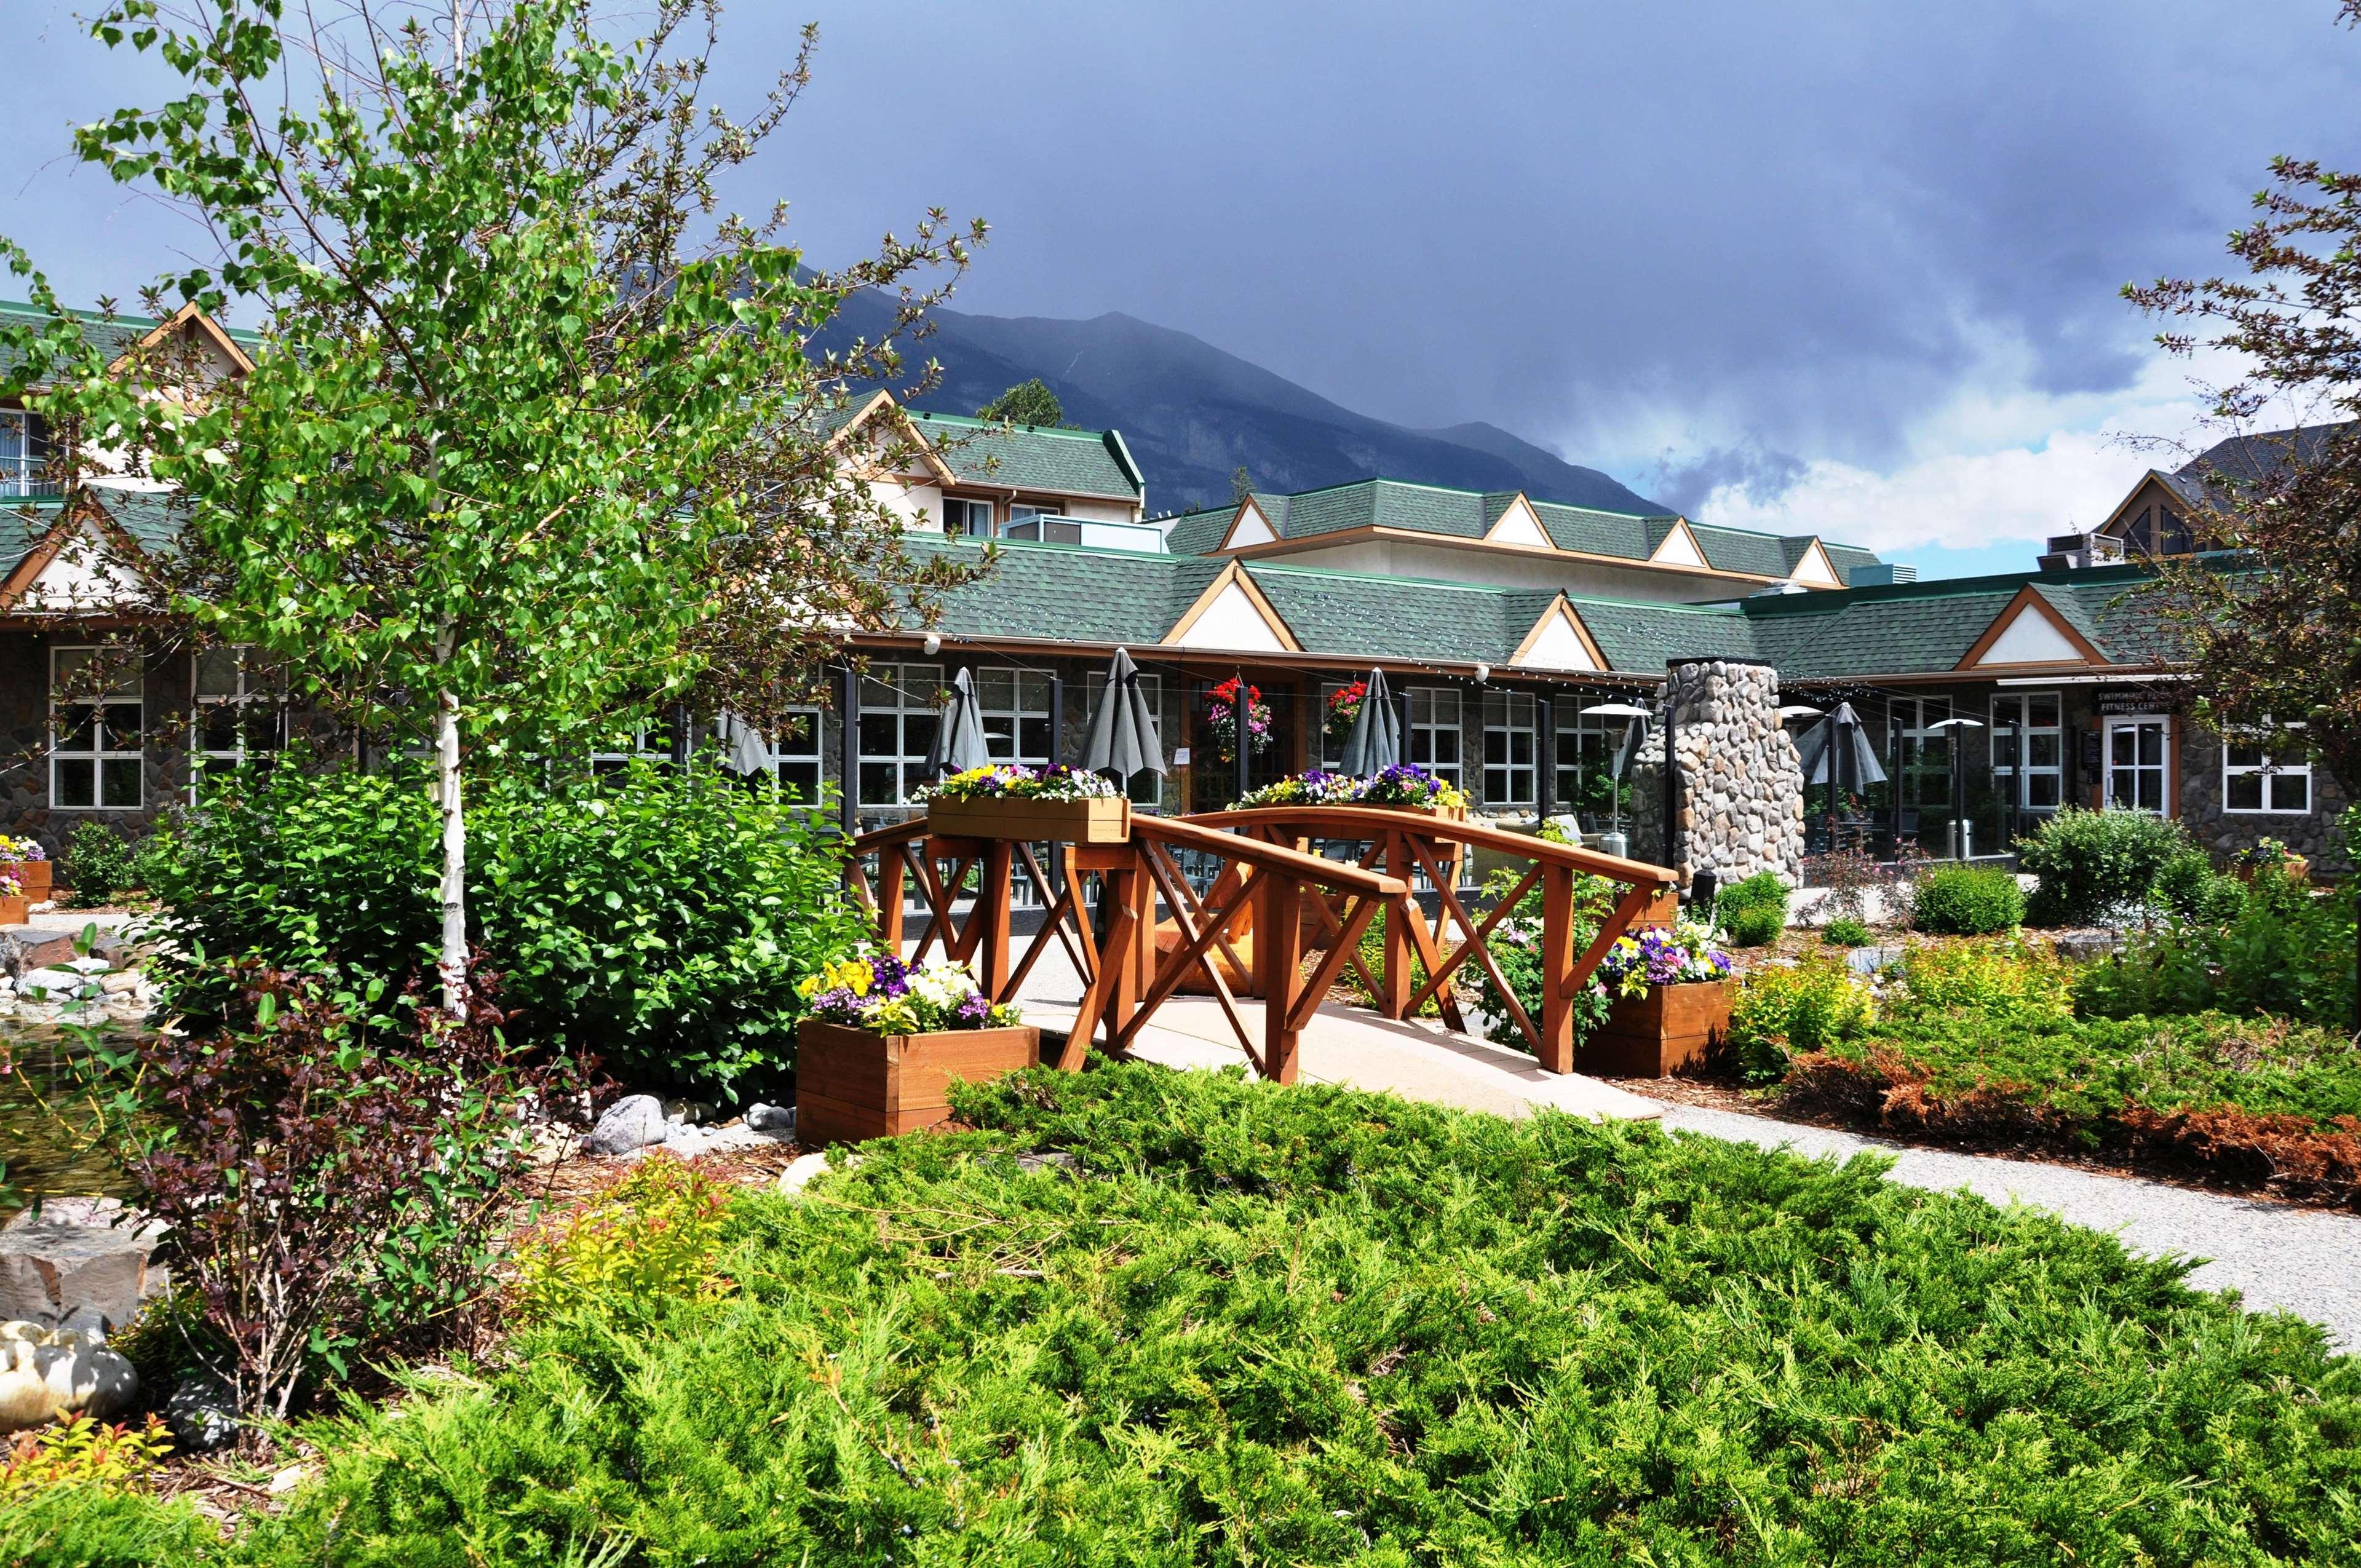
1374	821
1189	833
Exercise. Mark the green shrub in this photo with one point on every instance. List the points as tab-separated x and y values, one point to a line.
662	921
1515	945
2287	950
1845	932
2006	980
1780	1009
1752	911
1968	900
2190	888
102	862
2095	864
651	1233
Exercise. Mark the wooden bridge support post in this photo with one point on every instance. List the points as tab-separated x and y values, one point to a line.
991	911
1556	1046
1278	956
1395	979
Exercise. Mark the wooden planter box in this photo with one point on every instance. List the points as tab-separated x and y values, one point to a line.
14	911
1441	813
851	1084
1036	821
1661	910
2297	867
33	876
1672	1027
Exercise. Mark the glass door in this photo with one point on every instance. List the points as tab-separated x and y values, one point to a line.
2136	764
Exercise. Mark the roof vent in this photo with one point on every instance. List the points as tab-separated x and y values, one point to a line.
1779	590
1880	575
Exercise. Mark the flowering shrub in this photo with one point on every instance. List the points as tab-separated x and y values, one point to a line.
25	848
1016	780
9	886
1344	709
1682	956
882	993
1398	786
1222	714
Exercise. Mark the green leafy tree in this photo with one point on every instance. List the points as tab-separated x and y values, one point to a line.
1027	402
522	459
2275	640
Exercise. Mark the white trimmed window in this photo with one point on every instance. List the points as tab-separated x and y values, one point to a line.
2039	784
1015	708
1926	752
900	710
1433	738
1510	743
794	755
651	743
2255	783
237	715
96	762
24	454
1146	788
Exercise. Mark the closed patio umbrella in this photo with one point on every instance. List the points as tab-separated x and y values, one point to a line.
745	750
1123	739
1376	742
1858	757
959	738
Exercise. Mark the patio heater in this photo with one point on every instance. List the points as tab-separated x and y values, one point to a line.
1962	834
1241	720
1615	842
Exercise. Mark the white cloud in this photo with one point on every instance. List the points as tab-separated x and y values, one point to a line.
1999	462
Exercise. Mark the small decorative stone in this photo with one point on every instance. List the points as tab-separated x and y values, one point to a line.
200	1413
631	1123
770	1118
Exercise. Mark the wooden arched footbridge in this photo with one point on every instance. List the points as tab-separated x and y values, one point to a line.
1245	932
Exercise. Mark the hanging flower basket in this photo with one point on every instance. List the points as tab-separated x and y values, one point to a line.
876	1056
1222	707
1343	711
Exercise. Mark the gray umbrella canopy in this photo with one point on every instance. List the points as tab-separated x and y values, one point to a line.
1123	739
1376	742
744	749
1819	745
958	735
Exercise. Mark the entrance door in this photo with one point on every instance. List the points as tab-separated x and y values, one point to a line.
2136	764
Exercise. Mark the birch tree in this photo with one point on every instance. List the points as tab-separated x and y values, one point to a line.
533	445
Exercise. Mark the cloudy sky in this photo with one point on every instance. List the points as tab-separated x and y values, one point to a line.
1842	267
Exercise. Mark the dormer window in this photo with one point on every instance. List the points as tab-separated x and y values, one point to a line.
25	455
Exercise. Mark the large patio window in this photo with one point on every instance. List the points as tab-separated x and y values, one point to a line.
1510	746
899	712
238	715
1433	738
1924	779
2254	781
24	454
965	518
2039	784
1146	788
794	754
96	762
1015	708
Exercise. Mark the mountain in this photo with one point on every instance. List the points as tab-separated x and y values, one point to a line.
1193	415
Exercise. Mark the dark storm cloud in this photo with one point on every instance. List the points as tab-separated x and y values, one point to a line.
1684	481
1795	229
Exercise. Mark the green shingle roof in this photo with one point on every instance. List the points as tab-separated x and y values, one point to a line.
113	337
1101	596
1032	457
1470	514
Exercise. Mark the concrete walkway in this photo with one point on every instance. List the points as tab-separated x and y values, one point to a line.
2278	1258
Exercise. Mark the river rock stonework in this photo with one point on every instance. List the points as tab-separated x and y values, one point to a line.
1741	807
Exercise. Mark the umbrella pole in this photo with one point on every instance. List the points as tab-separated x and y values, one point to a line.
1241	727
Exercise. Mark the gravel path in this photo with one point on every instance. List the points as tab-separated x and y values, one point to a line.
2276	1256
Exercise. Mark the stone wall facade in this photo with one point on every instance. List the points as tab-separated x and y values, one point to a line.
1741	797
2222	832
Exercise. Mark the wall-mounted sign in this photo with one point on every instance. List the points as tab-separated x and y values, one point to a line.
1180	756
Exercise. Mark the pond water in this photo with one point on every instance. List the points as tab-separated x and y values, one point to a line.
45	1143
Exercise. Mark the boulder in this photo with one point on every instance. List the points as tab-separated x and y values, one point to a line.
200	1413
631	1123
770	1118
45	1374
76	1255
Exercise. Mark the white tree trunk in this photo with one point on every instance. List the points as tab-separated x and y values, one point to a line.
453	962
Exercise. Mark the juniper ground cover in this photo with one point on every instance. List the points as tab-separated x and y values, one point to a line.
1262	1324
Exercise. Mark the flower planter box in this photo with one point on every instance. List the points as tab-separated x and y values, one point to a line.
1672	1027
14	911
1664	909
2298	868
32	876
1441	813
1095	821
852	1084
